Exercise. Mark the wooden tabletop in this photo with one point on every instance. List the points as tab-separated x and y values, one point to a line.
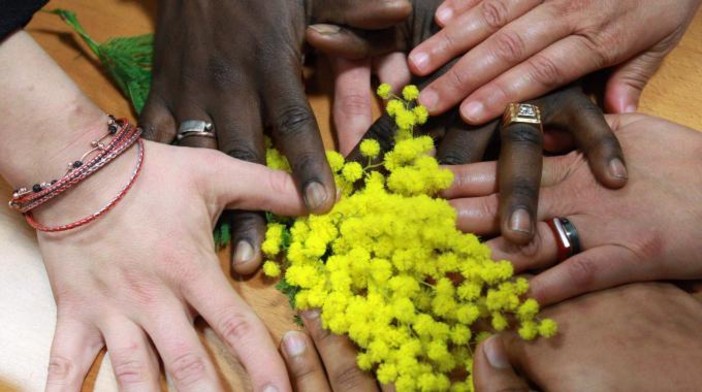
673	94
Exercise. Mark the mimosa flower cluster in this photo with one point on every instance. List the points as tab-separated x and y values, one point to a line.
388	268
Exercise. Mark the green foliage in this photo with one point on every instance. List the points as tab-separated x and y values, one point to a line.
127	60
289	290
222	234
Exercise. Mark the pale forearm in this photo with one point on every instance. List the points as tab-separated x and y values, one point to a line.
47	121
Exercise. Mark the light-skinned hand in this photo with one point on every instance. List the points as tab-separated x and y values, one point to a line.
639	337
514	50
648	230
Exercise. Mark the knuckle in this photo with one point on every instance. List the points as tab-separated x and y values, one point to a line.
582	272
447	41
247	225
348	377
280	183
488	206
303	368
244	153
188	368
525	192
306	164
453	158
509	46
221	72
60	368
495	13
235	327
599	46
532	249
129	371
545	72
355	104
458	80
294	120
523	134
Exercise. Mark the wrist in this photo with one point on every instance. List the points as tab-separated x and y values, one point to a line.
95	194
47	121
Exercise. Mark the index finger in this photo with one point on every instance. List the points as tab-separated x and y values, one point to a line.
571	110
519	179
236	323
296	133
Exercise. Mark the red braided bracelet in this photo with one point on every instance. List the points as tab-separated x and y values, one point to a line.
81	175
111	204
25	199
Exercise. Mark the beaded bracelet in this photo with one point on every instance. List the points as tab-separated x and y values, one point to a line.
111	204
123	137
80	175
25	199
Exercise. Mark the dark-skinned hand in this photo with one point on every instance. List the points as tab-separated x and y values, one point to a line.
238	64
647	231
567	110
322	361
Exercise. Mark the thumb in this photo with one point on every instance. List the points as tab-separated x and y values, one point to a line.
492	371
250	186
628	81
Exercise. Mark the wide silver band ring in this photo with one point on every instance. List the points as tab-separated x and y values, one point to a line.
567	237
190	128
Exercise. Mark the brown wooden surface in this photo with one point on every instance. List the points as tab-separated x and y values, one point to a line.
673	94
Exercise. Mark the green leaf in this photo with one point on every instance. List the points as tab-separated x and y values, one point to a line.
127	60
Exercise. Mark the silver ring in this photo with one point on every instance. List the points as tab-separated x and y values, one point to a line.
567	237
195	128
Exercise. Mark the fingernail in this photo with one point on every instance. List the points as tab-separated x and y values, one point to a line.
311	314
420	60
494	353
473	111
630	109
270	388
429	98
315	196
294	343
617	168
325	29
244	252
520	221
444	14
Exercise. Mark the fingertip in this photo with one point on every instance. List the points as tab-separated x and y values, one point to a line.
443	15
518	228
318	198
246	259
310	318
621	98
473	112
294	344
492	370
618	174
429	98
609	171
419	62
494	352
